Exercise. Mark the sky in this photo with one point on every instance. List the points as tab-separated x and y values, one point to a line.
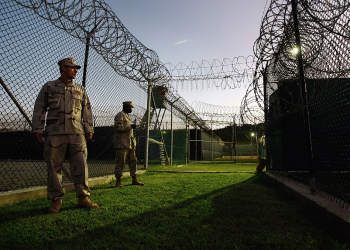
195	30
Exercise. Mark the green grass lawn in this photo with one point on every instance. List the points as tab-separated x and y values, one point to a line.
222	167
174	211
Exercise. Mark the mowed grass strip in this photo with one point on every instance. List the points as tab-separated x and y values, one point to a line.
208	167
174	211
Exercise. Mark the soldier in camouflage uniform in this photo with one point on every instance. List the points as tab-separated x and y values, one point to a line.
125	145
68	124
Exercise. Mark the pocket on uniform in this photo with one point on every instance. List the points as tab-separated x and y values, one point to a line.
77	99
51	121
54	102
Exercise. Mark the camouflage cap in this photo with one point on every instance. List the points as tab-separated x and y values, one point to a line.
69	62
129	104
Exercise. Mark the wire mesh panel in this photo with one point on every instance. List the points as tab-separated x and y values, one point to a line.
302	85
31	48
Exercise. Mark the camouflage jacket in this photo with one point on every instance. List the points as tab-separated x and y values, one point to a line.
123	133
68	110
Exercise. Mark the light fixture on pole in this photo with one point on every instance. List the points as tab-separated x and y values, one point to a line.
251	143
294	51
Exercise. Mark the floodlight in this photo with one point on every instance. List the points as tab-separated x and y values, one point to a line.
294	51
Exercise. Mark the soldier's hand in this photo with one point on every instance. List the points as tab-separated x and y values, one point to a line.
133	126
88	136
38	137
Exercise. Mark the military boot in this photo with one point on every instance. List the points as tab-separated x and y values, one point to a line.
136	182
55	206
119	182
85	202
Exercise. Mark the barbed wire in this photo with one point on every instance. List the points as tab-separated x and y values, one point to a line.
225	74
322	23
94	19
325	43
252	105
217	112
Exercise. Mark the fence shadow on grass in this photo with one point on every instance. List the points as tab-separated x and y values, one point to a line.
253	214
5	217
38	210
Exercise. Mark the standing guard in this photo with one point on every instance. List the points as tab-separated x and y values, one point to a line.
65	107
125	145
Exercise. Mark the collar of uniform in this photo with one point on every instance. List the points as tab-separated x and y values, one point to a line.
71	84
59	83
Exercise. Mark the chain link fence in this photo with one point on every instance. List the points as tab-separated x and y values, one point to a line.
299	101
227	140
302	84
31	48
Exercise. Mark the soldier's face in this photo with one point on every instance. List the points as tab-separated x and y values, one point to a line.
69	72
128	109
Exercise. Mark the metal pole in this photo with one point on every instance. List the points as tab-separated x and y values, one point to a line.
251	145
257	145
196	145
212	153
186	140
8	91
171	136
189	143
86	58
149	93
172	132
256	139
304	97
232	138
235	139
265	115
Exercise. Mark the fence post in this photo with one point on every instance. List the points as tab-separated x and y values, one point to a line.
256	139
186	145
13	98
232	139
86	58
171	136
235	139
172	132
211	146
89	34
196	145
265	117
304	98
189	143
149	93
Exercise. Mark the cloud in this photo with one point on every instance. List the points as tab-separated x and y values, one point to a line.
181	42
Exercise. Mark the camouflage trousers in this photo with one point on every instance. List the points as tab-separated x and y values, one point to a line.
121	156
55	148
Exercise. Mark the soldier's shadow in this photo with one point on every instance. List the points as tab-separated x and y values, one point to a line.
22	214
32	213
